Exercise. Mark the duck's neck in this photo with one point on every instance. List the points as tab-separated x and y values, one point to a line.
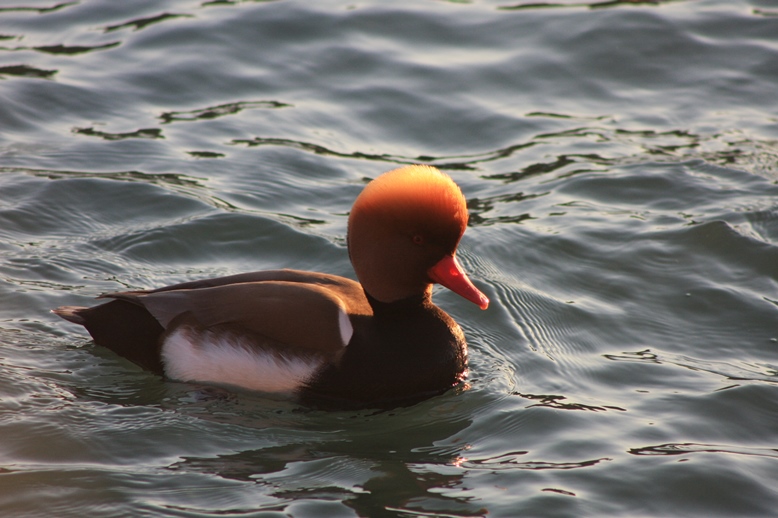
402	306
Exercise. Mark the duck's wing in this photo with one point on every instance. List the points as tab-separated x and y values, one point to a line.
295	314
348	288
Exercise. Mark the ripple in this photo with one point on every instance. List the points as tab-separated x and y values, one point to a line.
186	183
39	10
588	5
512	461
72	50
141	23
145	133
536	169
620	159
687	448
559	403
618	147
765	12
27	71
213	112
206	154
735	371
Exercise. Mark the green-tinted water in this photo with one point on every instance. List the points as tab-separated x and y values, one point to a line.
620	160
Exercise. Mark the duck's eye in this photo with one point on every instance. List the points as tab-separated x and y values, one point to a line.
418	239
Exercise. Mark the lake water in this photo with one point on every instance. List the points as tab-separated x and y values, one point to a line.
620	159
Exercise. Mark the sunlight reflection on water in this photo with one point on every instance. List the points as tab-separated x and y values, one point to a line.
619	160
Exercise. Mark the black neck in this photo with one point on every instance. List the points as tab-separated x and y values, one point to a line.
399	307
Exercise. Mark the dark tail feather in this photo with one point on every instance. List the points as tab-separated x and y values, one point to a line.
125	328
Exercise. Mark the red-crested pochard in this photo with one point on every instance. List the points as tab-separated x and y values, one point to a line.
320	337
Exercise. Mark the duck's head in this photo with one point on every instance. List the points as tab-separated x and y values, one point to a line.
403	233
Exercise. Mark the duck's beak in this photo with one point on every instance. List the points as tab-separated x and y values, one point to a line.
450	274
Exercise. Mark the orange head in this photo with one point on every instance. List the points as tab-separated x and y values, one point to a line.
403	232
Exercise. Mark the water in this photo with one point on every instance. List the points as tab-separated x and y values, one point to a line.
621	164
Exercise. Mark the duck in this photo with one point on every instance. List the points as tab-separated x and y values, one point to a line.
319	338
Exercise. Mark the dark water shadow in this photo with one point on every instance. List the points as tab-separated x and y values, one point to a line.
509	461
214	112
477	207
671	449
559	402
71	50
765	13
371	486
370	461
452	162
65	50
141	23
26	71
586	5
618	147
39	10
144	133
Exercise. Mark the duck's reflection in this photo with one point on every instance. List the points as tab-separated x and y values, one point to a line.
375	463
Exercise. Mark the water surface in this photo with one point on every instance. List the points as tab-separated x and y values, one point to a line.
620	161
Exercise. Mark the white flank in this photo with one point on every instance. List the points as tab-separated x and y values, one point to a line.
346	329
224	359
